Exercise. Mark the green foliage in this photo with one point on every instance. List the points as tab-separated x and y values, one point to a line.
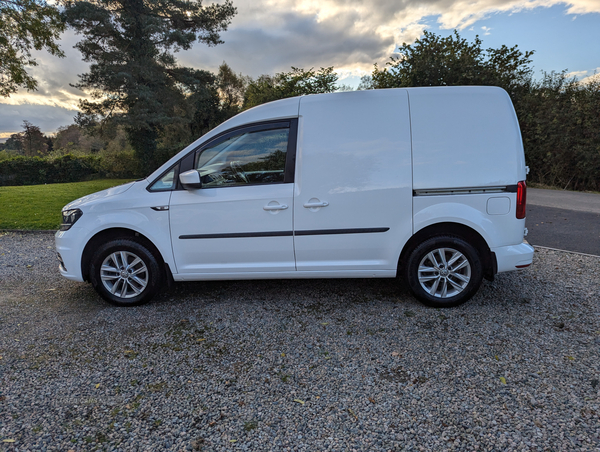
231	89
61	168
25	25
134	79
560	125
39	206
37	170
297	82
73	138
436	61
30	142
33	141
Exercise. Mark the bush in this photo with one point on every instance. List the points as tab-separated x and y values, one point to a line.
560	124
39	170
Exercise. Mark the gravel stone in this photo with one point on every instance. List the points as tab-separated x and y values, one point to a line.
309	365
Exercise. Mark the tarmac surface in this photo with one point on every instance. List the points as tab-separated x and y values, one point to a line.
564	220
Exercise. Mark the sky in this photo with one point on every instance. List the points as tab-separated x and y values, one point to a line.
269	36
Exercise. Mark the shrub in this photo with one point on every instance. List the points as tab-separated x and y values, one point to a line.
39	170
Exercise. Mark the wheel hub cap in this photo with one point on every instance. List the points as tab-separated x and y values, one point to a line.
124	274
444	272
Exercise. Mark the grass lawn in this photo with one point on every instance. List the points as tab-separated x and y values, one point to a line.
38	206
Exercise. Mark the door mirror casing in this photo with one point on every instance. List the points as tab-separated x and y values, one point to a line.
190	180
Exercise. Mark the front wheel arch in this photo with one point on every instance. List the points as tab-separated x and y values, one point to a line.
115	233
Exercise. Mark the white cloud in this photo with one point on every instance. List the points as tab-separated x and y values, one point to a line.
486	31
595	77
577	74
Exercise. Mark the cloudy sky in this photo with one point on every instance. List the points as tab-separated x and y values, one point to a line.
268	36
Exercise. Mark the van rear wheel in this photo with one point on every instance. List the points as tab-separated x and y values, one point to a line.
125	273
444	271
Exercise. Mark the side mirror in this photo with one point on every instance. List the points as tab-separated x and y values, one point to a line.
190	180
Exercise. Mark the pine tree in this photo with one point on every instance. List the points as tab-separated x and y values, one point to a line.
134	79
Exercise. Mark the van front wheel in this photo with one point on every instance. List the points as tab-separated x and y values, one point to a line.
444	271
125	273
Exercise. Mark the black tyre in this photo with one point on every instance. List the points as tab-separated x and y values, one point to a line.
125	273
444	271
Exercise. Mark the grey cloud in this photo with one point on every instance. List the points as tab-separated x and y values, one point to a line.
47	118
303	42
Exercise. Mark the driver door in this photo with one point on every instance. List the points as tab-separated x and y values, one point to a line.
240	221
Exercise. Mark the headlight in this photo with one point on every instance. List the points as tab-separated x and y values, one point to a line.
69	217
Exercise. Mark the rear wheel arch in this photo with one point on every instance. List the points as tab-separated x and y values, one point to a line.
459	230
116	233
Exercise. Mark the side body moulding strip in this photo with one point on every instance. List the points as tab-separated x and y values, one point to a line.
284	233
465	190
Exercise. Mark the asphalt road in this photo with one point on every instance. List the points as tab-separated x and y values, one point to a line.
564	220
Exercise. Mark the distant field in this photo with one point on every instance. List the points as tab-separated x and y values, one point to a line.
38	206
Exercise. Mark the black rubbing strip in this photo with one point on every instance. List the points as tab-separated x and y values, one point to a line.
284	233
341	231
240	235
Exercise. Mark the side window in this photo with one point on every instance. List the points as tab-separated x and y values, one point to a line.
246	158
166	182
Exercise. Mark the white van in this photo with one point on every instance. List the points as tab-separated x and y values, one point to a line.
427	183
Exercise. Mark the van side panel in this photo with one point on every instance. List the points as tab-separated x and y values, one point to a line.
354	159
464	137
468	157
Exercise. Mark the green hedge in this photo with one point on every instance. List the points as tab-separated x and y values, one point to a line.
67	168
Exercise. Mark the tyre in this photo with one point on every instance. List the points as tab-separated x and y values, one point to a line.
125	273
444	271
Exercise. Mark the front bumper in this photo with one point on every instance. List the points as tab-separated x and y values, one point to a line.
70	252
513	257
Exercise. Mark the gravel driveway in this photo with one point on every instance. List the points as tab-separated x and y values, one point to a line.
299	365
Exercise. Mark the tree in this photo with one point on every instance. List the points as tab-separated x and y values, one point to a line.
231	88
297	82
560	125
14	143
31	142
134	79
25	25
436	61
74	138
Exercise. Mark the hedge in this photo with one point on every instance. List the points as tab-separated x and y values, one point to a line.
50	170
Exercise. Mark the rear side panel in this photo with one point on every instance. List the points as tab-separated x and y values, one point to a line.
464	137
467	160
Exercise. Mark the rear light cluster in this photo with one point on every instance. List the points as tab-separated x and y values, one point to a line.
521	199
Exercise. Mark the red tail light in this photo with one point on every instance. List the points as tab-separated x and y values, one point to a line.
521	199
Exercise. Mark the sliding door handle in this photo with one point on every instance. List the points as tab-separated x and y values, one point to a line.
312	205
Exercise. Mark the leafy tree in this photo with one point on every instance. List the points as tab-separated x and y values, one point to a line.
74	138
31	142
297	82
25	25
560	125
34	141
366	82
134	79
436	61
14	143
231	88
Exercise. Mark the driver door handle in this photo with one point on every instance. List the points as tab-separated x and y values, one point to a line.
278	207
